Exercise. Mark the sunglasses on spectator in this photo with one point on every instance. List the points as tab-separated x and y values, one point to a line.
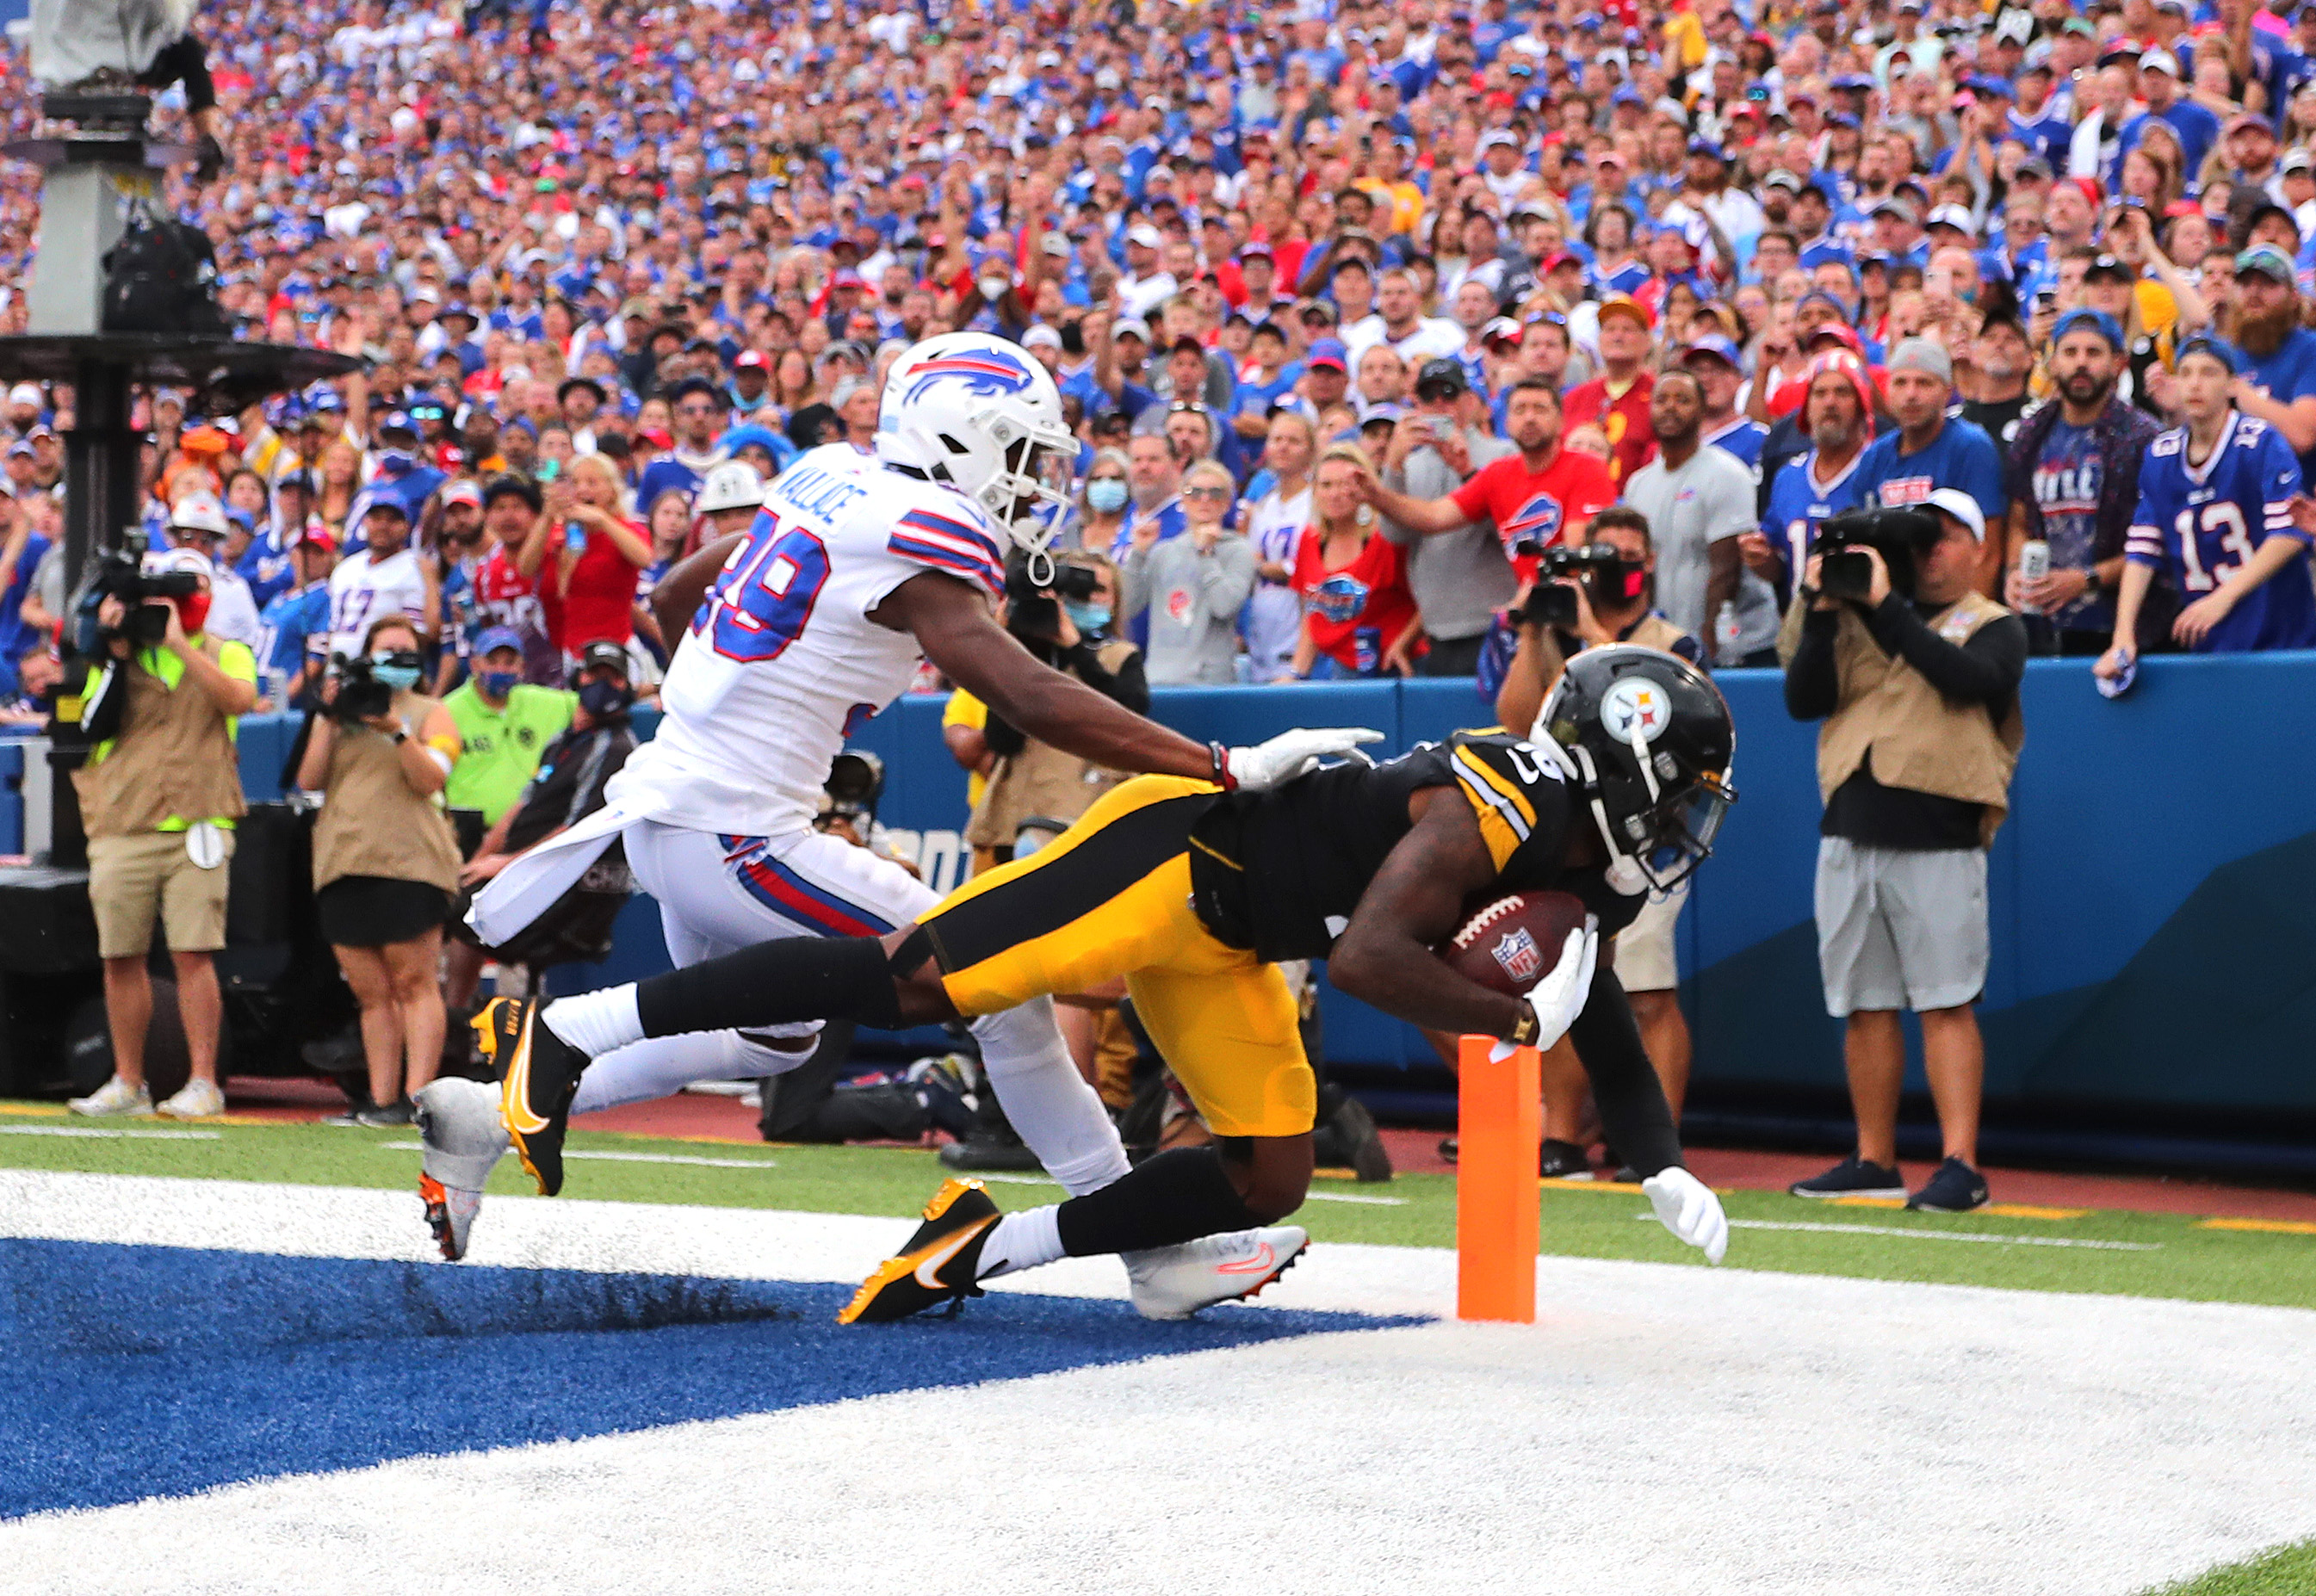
1206	490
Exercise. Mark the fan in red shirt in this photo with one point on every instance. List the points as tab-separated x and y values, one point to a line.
1617	400
1359	617
598	553
1544	494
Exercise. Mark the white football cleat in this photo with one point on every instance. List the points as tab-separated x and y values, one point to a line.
1175	1282
459	1129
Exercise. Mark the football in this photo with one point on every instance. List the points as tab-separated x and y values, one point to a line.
1507	945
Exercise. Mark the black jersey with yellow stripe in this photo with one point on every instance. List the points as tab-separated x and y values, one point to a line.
1282	871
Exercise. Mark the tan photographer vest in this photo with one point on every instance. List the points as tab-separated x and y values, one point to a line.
1917	738
373	822
172	760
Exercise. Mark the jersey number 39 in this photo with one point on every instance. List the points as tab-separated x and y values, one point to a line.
764	594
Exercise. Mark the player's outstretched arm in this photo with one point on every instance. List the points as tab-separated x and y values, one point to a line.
1416	901
952	624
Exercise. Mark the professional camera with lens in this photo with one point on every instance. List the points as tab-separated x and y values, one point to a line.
1033	613
1608	577
1901	536
122	576
360	694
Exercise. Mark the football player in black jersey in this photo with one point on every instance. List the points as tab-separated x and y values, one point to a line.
1192	893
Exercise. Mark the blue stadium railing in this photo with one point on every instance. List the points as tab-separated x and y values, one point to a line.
2153	892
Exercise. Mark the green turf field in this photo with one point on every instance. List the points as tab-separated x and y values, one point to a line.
2123	1254
2289	1571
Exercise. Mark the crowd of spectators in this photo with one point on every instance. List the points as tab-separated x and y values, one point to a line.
1361	311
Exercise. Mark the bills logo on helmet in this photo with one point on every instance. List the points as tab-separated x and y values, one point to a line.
1341	597
1536	521
988	370
1635	702
1523	960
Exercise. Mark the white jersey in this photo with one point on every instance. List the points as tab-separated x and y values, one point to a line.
783	660
364	589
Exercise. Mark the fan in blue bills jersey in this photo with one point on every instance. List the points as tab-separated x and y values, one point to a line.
1838	417
2221	509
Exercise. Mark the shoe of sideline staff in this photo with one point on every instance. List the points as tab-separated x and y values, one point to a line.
1954	1188
113	1100
940	1263
1175	1282
1852	1177
196	1099
538	1075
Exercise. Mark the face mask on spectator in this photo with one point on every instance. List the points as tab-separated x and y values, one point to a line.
1107	493
603	700
1085	617
497	684
398	670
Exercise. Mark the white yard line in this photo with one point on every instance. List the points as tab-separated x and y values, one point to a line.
1313	1196
604	1157
1664	1427
1936	1235
101	1133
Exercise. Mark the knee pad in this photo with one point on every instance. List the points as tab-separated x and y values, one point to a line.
1021	1040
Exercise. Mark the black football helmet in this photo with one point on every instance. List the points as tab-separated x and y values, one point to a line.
1647	739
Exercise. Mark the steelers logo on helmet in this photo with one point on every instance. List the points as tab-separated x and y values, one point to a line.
1635	704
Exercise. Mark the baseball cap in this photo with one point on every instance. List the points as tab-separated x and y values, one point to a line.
2218	349
315	537
1919	354
1715	344
1443	375
2109	266
491	638
2160	60
1782	179
27	392
466	491
1145	235
1954	217
2297	160
1961	507
2266	259
752	360
1252	248
1328	351
1502	329
2096	321
1130	326
604	653
1624	304
1041	336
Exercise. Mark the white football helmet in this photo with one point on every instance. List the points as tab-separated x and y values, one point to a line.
980	413
732	485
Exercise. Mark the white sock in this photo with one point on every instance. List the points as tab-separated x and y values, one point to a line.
1022	1240
597	1022
662	1067
1049	1103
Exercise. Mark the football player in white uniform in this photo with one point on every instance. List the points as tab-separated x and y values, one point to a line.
814	620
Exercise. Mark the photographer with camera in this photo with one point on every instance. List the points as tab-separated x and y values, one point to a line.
159	794
1916	675
1589	598
385	861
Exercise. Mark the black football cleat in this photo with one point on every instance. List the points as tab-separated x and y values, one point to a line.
940	1263
538	1075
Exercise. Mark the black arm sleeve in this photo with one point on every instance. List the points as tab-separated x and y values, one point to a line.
104	699
1130	686
1634	1113
1001	737
1812	685
1985	670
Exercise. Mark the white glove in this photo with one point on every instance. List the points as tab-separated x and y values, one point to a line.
1560	997
1686	1206
1290	755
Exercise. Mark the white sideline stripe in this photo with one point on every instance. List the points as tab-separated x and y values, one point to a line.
98	1133
1742	1429
606	1157
1376	1202
1937	1236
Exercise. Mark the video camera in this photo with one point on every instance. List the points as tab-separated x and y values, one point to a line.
360	694
1901	536
1611	578
1032	612
122	576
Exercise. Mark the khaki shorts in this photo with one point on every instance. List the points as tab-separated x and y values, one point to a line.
1645	958
131	880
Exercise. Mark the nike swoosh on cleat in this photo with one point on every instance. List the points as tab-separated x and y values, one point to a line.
929	1272
517	1095
1254	1264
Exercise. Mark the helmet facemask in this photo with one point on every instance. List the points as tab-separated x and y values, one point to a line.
1665	821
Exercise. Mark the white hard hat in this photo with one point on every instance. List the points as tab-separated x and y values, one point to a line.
732	485
199	512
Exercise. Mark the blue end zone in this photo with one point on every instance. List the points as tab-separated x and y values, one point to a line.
129	1372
